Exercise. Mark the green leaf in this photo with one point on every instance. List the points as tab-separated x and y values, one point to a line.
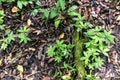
91	66
2	13
23	38
109	37
59	50
58	58
24	30
1	21
19	4
86	57
2	27
62	4
24	2
11	37
46	13
50	51
53	14
104	50
57	22
73	14
99	62
34	12
98	28
4	46
71	9
38	3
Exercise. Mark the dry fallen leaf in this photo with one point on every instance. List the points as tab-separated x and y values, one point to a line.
118	18
21	75
9	58
46	78
14	9
43	41
32	49
1	62
28	22
30	78
22	17
113	58
118	7
61	35
38	32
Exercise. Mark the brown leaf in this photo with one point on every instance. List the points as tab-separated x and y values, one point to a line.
32	49
61	35
43	41
9	58
21	75
118	7
1	63
86	14
46	78
14	9
113	58
38	32
118	18
28	22
30	78
22	17
50	60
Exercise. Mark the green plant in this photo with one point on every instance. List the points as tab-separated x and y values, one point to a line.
54	13
1	17
37	8
2	26
57	75
96	42
6	41
22	35
91	77
21	3
119	1
10	36
68	66
6	1
78	18
59	50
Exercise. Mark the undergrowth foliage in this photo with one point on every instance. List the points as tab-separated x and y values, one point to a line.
54	13
97	42
60	50
20	3
2	20
78	18
22	35
10	36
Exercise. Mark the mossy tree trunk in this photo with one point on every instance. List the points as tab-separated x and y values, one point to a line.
78	53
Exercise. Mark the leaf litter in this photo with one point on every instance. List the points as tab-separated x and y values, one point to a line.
37	65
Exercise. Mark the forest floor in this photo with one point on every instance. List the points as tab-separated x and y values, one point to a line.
32	55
